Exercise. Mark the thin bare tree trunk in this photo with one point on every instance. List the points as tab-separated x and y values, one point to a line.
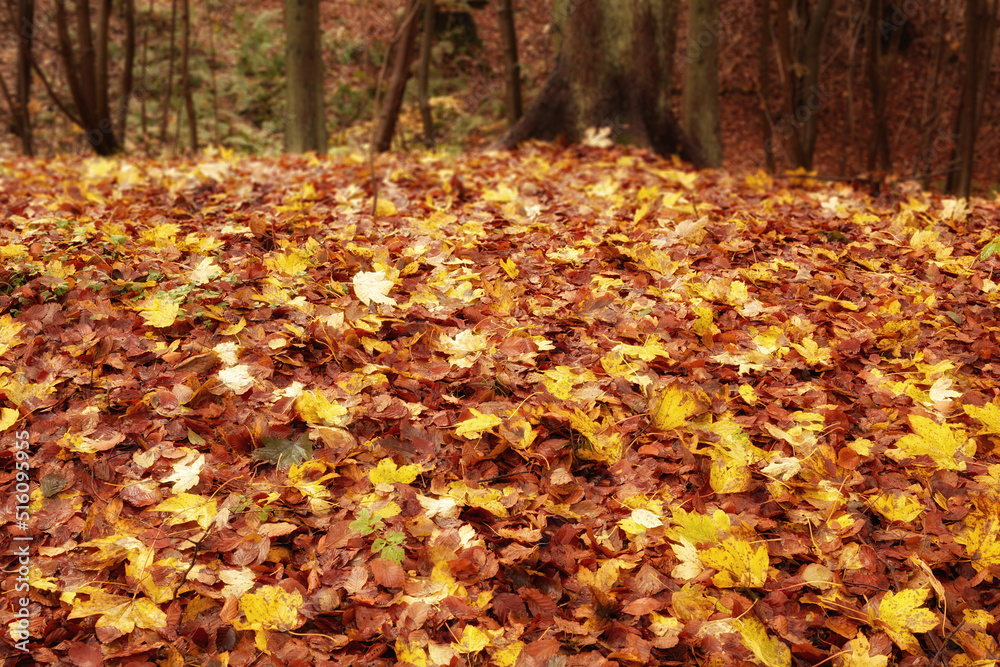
764	82
142	100
423	73
932	99
980	19
211	69
402	59
788	79
101	44
26	18
87	78
168	89
192	118
512	66
127	72
879	66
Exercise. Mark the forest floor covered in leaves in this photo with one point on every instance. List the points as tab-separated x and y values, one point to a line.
551	407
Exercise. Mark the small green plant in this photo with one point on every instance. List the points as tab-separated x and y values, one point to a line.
365	523
390	545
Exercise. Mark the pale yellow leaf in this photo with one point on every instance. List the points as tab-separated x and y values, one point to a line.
372	286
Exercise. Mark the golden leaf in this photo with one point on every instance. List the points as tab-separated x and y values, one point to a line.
901	614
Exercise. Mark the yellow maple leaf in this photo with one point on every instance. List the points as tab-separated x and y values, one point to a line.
9	330
738	563
270	608
673	408
372	286
509	268
896	505
981	536
605	444
162	236
507	656
314	408
941	442
159	312
988	416
475	426
485	498
648	351
771	651
386	472
606	575
691	603
473	640
562	380
385	207
728	475
859	654
698	528
120	612
413	653
8	417
813	354
189	507
291	263
901	614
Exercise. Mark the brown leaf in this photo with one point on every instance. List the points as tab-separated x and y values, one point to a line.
387	573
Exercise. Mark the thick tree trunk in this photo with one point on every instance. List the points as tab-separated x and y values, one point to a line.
511	64
701	79
305	127
612	71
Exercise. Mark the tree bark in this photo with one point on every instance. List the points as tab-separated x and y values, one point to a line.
87	78
22	113
512	66
192	117
879	64
423	72
800	40
701	79
402	59
168	89
764	82
980	29
612	71
305	126
127	70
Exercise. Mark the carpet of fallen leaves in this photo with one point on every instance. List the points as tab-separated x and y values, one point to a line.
555	407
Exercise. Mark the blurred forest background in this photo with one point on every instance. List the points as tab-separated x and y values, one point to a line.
863	90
